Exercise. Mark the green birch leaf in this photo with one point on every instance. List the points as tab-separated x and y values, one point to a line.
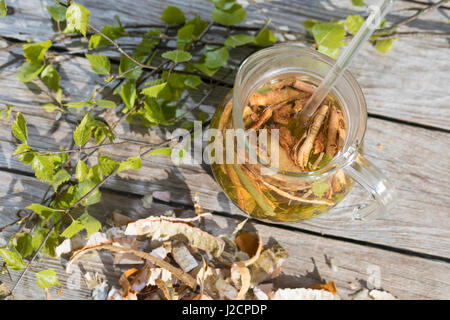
105	103
199	25
354	23
82	189
153	91
384	46
83	131
58	12
161	152
22	243
128	94
132	163
91	224
77	18
12	259
59	178
34	52
99	63
78	104
43	167
51	77
236	14
236	40
19	128
81	171
216	58
177	56
46	279
330	35
173	15
309	24
72	229
111	31
5	114
44	212
358	3
107	165
331	52
265	37
28	71
50	107
3	8
24	154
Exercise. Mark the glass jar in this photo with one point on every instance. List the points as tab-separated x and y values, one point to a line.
279	193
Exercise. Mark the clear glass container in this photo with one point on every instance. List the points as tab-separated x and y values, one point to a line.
280	194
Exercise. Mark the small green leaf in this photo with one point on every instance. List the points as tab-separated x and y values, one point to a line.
78	104
59	178
12	259
199	25
319	188
265	37
44	212
51	243
83	132
330	35
177	56
50	107
173	15
236	40
28	71
51	77
384	46
162	151
124	67
309	24
22	243
82	189
236	14
105	103
43	167
3	8
34	52
72	229
99	64
91	224
58	12
46	279
153	91
81	171
77	18
23	152
331	52
111	31
358	3
107	165
216	58
354	23
19	128
128	94
132	163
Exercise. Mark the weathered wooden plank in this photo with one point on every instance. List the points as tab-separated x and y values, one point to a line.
413	161
401	85
405	276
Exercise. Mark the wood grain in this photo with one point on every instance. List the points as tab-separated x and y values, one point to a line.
404	276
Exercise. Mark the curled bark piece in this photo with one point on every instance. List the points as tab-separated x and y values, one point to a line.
333	126
272	97
301	153
178	273
286	139
282	114
300	199
300	85
265	115
319	143
245	276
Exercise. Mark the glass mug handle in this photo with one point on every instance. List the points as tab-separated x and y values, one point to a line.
376	183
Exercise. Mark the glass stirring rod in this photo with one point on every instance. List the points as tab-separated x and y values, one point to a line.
343	61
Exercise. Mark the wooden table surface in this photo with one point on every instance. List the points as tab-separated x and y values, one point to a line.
408	97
